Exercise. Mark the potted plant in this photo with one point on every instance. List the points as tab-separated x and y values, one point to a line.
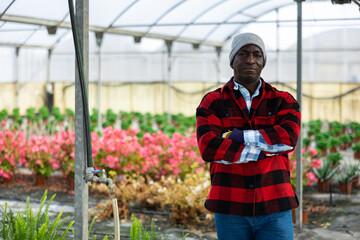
333	144
11	144
345	182
63	148
334	158
354	172
306	142
322	145
356	149
357	135
324	174
38	158
345	141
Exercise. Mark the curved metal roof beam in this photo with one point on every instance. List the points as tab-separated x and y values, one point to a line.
7	8
199	16
232	15
237	29
122	13
163	15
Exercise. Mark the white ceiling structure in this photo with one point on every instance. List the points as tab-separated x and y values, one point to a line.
135	32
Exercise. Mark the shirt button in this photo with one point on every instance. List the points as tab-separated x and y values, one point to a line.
251	186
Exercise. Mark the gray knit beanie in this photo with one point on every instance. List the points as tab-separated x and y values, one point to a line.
244	39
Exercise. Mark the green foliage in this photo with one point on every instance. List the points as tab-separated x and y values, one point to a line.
326	171
315	124
335	124
348	172
137	231
69	113
57	114
346	138
306	141
3	114
334	142
17	117
44	113
110	118
322	144
30	114
30	226
94	236
334	158
356	147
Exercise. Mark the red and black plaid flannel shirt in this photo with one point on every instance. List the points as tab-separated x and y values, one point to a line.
252	188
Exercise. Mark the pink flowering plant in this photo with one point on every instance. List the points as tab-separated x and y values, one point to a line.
62	150
154	155
11	149
310	161
38	156
164	156
118	150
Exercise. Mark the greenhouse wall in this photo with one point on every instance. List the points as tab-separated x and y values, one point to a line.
325	101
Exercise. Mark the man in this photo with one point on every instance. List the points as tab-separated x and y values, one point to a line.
245	130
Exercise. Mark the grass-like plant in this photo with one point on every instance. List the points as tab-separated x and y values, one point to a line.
137	231
29	226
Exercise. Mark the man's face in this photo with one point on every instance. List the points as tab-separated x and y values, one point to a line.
248	64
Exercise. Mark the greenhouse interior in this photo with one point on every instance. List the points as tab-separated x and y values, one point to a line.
146	66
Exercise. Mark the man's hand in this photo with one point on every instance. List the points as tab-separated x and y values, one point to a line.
261	156
236	135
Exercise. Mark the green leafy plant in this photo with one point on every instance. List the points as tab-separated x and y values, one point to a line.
3	114
353	169
16	117
334	142
138	232
325	171
322	144
34	227
44	113
356	147
306	142
346	141
94	236
334	158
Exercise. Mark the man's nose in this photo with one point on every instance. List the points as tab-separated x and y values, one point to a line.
251	59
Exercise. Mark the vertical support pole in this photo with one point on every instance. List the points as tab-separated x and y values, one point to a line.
299	165
277	69
49	87
99	37
169	63
81	186
16	73
218	54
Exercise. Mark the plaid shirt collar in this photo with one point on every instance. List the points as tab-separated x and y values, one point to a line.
246	94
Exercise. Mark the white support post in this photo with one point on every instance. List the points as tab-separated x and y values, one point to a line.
299	165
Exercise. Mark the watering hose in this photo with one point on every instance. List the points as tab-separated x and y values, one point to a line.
82	85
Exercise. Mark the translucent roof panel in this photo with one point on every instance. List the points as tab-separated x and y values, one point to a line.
210	22
45	9
197	28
